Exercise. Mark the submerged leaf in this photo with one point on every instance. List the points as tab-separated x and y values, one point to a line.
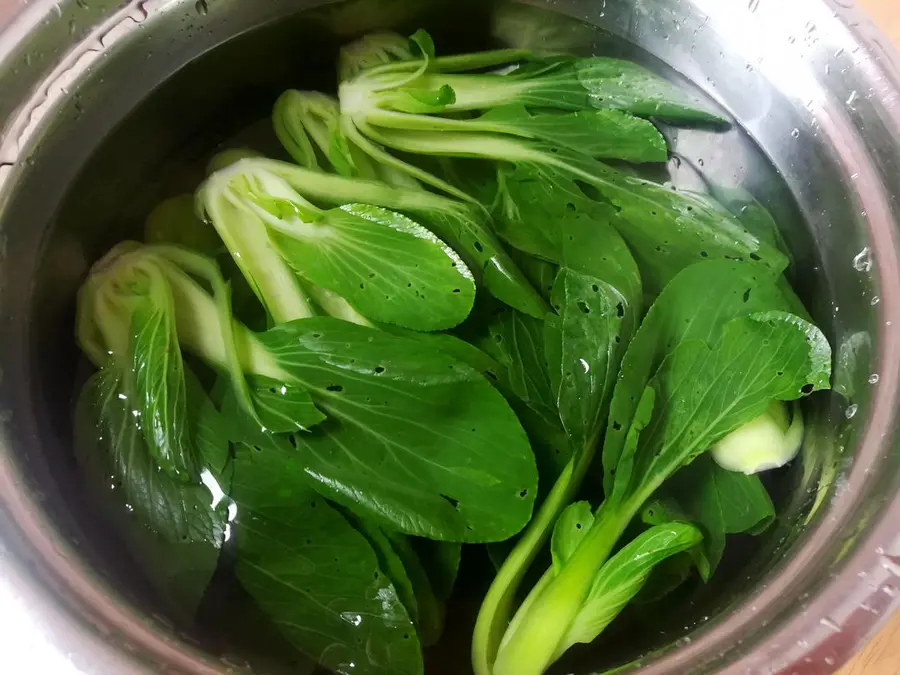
609	134
705	391
314	575
282	407
387	266
724	290
623	576
175	221
624	85
720	502
414	440
159	385
584	347
111	449
517	342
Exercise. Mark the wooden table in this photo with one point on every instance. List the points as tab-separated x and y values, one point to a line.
882	655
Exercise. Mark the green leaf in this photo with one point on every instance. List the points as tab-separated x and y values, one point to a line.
314	575
666	578
609	134
667	230
753	215
178	571
387	266
389	562
585	344
623	576
423	43
725	290
175	221
704	392
210	429
541	273
573	524
450	345
111	450
441	562
431	611
460	225
623	85
517	342
564	83
464	229
282	407
159	386
720	502
415	440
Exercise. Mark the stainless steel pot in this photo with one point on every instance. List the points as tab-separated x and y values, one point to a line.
811	83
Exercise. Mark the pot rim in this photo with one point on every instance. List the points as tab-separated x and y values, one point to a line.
84	615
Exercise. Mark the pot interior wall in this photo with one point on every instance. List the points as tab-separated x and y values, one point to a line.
105	161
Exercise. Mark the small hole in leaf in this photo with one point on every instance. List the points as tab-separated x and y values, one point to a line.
292	439
379	369
317	335
747	295
453	502
362	285
478	247
780	373
309	542
595	288
570	206
492	375
618	339
620	310
754	256
807	388
583	307
577	526
653	213
406	636
257	448
409	285
371	275
272	390
523	493
498	339
704	254
455	290
335	388
617	426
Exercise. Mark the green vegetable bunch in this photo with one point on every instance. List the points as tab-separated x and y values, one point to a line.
444	312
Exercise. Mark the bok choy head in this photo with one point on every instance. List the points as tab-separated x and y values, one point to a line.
144	425
387	266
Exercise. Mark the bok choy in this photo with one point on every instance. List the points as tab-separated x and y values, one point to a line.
446	322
